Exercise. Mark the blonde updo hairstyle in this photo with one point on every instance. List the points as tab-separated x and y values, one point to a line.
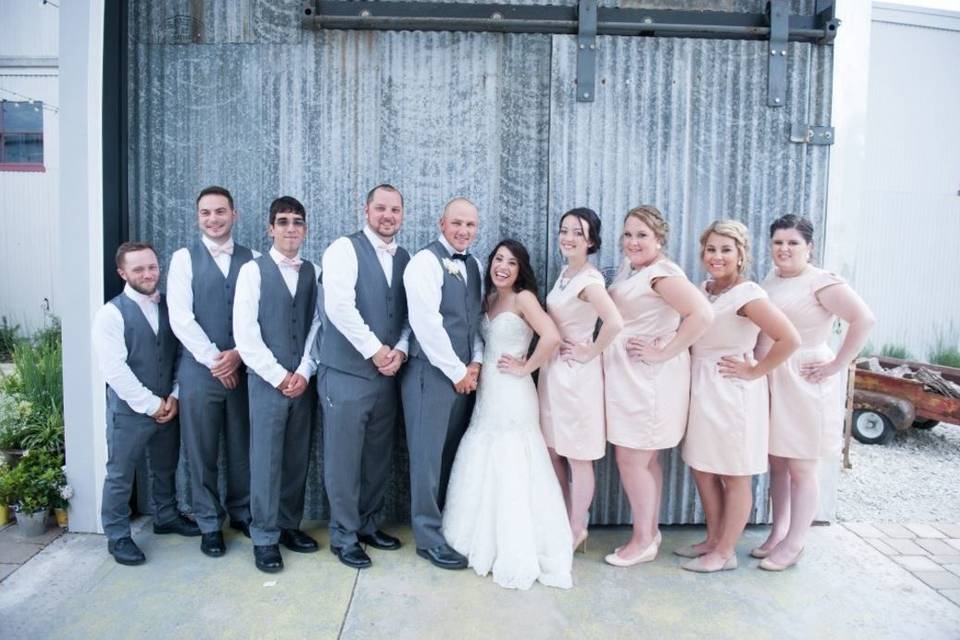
734	230
651	216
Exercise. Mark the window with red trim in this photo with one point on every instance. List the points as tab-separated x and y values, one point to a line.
21	136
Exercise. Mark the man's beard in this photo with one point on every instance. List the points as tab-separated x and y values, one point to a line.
139	288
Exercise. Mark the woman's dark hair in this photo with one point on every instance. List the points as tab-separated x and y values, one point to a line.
589	218
791	221
526	279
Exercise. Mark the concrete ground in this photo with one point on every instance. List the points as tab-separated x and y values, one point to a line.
844	587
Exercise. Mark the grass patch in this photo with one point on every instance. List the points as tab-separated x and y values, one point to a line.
945	350
895	350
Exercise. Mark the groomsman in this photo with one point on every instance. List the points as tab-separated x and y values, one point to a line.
443	285
213	398
137	353
274	323
360	350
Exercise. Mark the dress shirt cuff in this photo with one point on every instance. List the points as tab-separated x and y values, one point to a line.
457	374
478	351
274	375
208	357
155	405
175	393
306	369
403	344
370	347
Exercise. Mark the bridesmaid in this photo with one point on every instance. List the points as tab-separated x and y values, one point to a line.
808	391
571	382
647	371
727	433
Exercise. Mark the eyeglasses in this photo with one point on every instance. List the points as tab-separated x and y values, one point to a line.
285	222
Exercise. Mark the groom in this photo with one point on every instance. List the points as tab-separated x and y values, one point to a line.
442	283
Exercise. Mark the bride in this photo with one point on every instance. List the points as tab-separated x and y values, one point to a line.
504	509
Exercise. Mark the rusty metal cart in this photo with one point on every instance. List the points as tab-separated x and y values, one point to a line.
884	403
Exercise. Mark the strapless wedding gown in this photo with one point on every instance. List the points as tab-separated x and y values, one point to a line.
504	509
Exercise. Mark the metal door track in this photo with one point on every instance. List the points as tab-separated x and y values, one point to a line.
587	21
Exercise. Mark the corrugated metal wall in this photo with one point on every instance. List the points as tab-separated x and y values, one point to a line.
911	187
255	103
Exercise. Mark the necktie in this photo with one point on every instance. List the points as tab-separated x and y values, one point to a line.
460	256
388	248
222	249
292	263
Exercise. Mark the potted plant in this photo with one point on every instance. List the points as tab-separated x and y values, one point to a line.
34	487
15	413
61	499
4	493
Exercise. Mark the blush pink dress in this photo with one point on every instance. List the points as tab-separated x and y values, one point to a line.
646	404
806	419
571	393
728	429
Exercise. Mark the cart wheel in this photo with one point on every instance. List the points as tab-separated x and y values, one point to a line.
870	427
925	424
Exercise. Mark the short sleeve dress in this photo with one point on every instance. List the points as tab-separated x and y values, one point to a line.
806	419
646	404
571	393
728	429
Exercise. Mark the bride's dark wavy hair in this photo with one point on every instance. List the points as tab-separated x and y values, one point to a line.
526	279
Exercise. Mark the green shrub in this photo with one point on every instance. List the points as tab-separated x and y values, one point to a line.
8	338
894	350
944	350
35	482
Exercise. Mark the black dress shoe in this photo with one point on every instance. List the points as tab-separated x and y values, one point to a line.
352	555
380	540
212	544
241	526
297	540
444	557
126	551
181	525
267	558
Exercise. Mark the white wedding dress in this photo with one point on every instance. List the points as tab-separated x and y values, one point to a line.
504	509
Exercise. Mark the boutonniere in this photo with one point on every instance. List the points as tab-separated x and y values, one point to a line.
452	268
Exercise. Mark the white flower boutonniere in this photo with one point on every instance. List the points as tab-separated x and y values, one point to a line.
452	268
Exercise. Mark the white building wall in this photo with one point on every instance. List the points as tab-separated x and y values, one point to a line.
908	264
29	201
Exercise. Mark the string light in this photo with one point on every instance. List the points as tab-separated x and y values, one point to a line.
49	107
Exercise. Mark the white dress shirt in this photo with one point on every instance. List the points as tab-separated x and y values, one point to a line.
423	280
180	303
246	330
111	350
340	296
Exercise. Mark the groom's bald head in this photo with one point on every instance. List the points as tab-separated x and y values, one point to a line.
459	223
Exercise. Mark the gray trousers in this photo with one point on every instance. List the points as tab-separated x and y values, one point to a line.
130	439
207	408
279	454
359	420
436	417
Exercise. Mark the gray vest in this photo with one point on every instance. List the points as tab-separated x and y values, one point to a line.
383	307
150	356
284	320
213	294
459	306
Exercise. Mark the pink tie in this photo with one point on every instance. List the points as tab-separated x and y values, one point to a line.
293	263
389	248
155	297
224	249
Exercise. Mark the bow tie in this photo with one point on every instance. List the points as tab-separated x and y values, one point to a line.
154	297
388	248
460	256
222	249
292	263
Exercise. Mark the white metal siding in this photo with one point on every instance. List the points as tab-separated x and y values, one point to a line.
28	29
29	248
908	262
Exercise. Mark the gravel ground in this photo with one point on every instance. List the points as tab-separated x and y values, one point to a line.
915	478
